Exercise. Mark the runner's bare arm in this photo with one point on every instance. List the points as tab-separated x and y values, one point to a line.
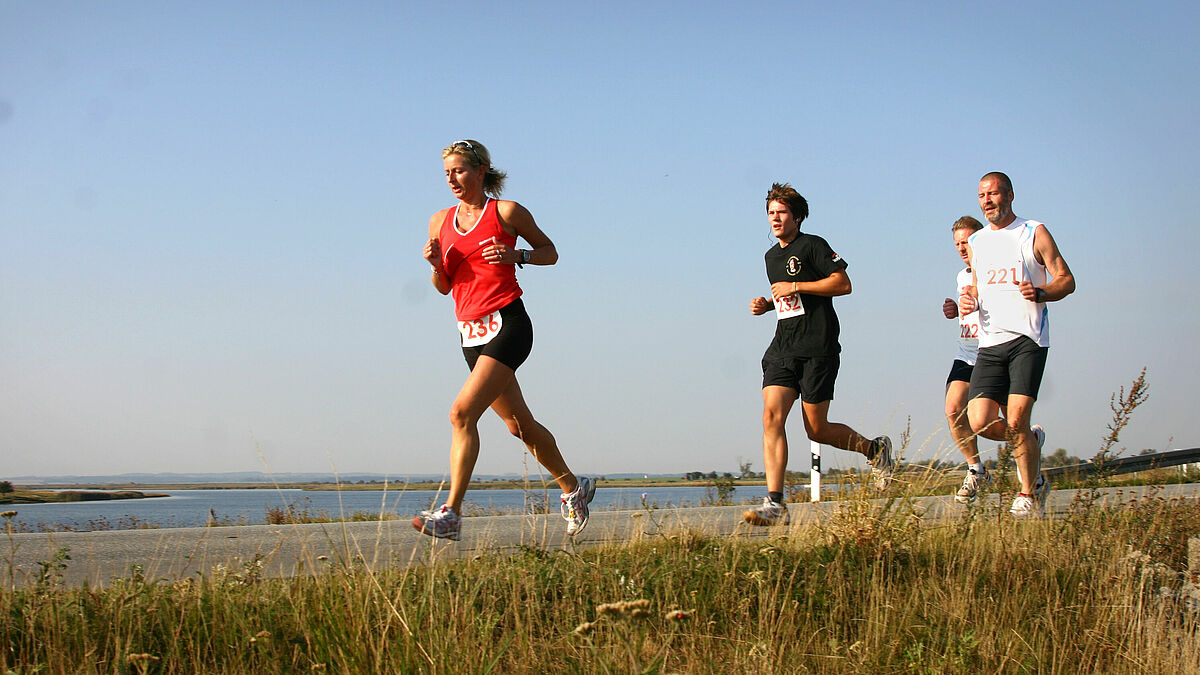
1062	282
433	254
518	221
831	286
968	302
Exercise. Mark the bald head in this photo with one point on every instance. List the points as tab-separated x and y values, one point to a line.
1005	182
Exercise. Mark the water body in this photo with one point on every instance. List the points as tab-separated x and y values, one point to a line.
195	508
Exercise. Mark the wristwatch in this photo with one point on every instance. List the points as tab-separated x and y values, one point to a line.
524	258
1039	295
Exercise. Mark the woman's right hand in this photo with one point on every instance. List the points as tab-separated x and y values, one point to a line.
433	252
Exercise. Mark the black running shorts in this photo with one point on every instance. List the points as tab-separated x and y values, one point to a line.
959	372
512	344
812	376
1015	367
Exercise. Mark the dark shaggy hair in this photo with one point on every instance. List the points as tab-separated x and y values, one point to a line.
786	194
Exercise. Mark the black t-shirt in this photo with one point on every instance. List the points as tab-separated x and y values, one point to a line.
814	333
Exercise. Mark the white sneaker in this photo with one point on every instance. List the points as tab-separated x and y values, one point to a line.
574	506
1024	507
1034	505
882	466
443	523
971	486
770	513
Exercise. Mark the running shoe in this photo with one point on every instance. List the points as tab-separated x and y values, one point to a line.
882	466
971	486
574	506
443	523
770	513
1025	506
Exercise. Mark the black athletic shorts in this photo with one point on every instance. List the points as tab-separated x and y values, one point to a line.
959	372
1015	367
512	344
812	376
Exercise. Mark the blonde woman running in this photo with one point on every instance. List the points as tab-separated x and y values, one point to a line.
472	249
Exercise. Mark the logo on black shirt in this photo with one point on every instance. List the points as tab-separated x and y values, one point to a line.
793	266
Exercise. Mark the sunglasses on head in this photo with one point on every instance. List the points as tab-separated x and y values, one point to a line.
467	145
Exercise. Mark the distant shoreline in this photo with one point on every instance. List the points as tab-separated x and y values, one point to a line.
497	484
67	495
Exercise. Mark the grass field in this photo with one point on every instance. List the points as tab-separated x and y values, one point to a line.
875	589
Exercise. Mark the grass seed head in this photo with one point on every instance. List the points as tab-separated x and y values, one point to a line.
634	608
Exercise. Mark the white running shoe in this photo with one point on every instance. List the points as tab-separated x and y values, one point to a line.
882	466
770	513
443	523
971	486
1025	506
574	506
1034	505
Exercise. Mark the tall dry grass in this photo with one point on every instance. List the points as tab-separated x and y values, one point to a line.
878	587
875	588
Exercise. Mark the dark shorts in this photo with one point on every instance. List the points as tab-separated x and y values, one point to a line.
1015	367
959	372
512	344
812	376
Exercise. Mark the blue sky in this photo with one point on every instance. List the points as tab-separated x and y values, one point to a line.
212	214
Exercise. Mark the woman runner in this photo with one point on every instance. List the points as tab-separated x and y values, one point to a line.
472	249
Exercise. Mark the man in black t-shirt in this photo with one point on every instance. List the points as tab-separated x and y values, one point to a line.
803	358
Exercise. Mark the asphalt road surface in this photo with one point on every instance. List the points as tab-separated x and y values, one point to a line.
97	558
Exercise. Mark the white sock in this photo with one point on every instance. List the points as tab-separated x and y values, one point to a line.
978	468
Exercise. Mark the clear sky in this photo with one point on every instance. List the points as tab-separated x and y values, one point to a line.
212	215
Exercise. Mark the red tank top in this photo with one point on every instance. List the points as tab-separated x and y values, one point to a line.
478	288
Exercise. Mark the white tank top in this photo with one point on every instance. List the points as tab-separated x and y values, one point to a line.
968	326
1001	260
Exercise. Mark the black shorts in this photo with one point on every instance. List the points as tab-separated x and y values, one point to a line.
812	376
1015	367
512	344
959	372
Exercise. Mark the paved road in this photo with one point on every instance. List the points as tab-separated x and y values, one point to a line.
96	558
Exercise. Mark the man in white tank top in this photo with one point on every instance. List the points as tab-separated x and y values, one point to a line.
1017	269
958	382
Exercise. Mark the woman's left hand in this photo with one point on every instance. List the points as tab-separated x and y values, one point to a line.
500	254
